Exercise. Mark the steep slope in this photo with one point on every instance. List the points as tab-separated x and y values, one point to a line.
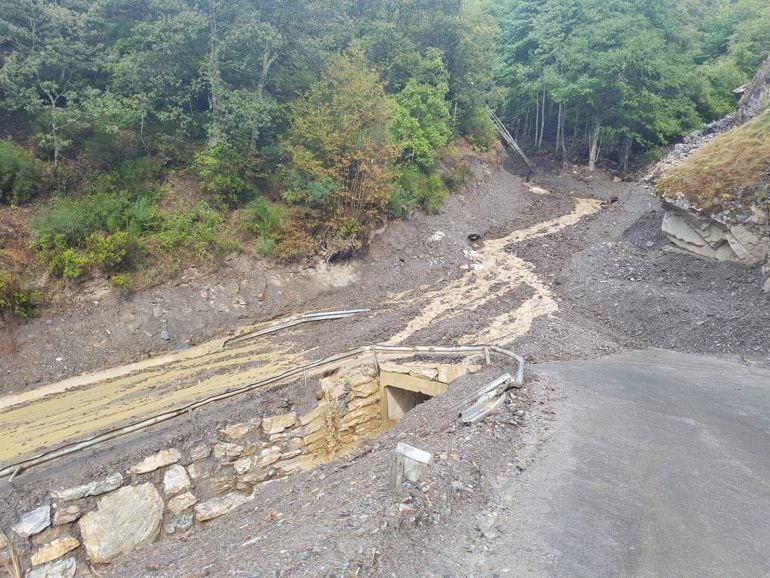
717	200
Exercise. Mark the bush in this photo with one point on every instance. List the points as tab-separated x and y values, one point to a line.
112	252
18	174
263	219
265	246
75	235
416	188
477	128
199	228
133	178
14	298
73	220
222	174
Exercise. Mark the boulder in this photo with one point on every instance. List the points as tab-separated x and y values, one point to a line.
238	430
54	550
66	515
278	423
180	503
227	450
124	520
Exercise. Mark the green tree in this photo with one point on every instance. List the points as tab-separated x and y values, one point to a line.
421	123
340	138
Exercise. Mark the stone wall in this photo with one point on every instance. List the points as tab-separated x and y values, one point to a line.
170	491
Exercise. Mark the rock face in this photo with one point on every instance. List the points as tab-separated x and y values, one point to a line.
124	520
745	243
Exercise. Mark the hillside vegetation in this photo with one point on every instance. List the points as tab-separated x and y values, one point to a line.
733	168
151	134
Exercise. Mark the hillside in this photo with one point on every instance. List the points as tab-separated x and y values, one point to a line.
718	198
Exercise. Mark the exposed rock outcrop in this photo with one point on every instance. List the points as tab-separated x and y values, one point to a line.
716	186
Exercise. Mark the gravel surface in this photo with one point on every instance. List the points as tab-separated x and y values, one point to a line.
618	284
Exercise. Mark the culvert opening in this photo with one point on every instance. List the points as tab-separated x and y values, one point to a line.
401	401
347	399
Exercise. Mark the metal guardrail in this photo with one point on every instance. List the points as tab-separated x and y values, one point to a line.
292	321
69	449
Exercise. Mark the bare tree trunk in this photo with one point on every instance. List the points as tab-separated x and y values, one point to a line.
542	123
559	131
626	152
593	151
537	119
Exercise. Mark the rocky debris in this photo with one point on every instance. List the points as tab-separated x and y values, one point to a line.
124	520
175	480
54	550
165	335
65	568
156	461
180	503
34	522
278	423
66	515
220	506
96	488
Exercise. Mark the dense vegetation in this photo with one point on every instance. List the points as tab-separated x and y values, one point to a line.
167	129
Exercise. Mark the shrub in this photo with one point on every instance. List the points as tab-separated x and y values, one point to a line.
413	188
265	246
477	128
402	203
199	228
112	252
14	298
73	220
18	174
263	219
222	174
132	178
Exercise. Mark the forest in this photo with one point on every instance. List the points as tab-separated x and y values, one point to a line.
143	135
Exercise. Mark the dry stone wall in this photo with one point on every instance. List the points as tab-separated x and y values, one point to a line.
170	491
